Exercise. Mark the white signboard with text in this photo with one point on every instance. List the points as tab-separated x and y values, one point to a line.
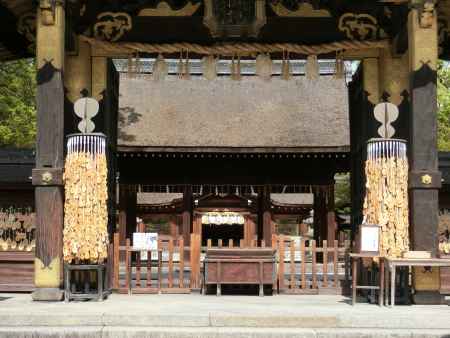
145	241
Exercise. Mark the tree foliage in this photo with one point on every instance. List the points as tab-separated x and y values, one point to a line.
443	93
17	104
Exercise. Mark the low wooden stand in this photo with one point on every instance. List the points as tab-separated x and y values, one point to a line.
102	282
254	266
380	287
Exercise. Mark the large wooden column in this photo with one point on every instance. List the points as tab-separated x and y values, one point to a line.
47	177
424	178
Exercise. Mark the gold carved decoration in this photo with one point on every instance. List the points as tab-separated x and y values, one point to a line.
48	8
27	27
112	26
427	13
426	179
358	26
216	28
47	177
305	10
164	9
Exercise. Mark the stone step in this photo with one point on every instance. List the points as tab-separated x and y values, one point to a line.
210	332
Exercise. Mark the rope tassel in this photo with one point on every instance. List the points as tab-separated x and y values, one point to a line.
160	68
209	67
236	68
264	66
339	67
312	67
286	67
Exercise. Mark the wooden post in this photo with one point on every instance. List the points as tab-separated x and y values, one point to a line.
330	218
267	215
187	214
47	177
424	177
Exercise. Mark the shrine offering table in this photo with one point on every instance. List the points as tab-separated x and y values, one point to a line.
252	266
393	263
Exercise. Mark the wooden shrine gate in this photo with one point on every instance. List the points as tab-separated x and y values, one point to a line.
176	268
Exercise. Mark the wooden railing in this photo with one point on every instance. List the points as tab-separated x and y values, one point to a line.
165	270
310	269
302	267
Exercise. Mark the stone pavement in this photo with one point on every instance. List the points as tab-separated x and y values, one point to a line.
210	316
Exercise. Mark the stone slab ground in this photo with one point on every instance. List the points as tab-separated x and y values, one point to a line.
193	315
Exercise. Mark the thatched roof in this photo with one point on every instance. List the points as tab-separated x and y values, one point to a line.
251	113
292	199
150	198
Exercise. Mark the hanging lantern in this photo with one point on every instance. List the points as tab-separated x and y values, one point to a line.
386	200
86	194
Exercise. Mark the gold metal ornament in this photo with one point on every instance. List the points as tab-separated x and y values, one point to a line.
426	179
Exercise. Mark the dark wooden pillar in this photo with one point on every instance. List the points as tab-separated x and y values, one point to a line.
265	216
47	177
127	213
330	218
187	214
320	214
424	178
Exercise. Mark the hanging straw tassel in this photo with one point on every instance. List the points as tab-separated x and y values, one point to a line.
312	67
286	67
160	68
236	68
184	71
264	66
209	67
339	67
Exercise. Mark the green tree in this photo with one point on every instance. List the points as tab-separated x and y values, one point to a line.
443	93
17	104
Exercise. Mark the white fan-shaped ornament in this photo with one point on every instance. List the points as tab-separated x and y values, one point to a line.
386	113
86	108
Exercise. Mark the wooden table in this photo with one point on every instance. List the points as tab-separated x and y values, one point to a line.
355	257
393	263
240	266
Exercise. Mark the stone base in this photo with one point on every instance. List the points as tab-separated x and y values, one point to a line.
428	298
47	295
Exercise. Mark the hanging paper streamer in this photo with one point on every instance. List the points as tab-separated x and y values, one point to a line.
209	67
286	67
339	66
386	200
235	70
312	67
86	193
264	66
160	68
